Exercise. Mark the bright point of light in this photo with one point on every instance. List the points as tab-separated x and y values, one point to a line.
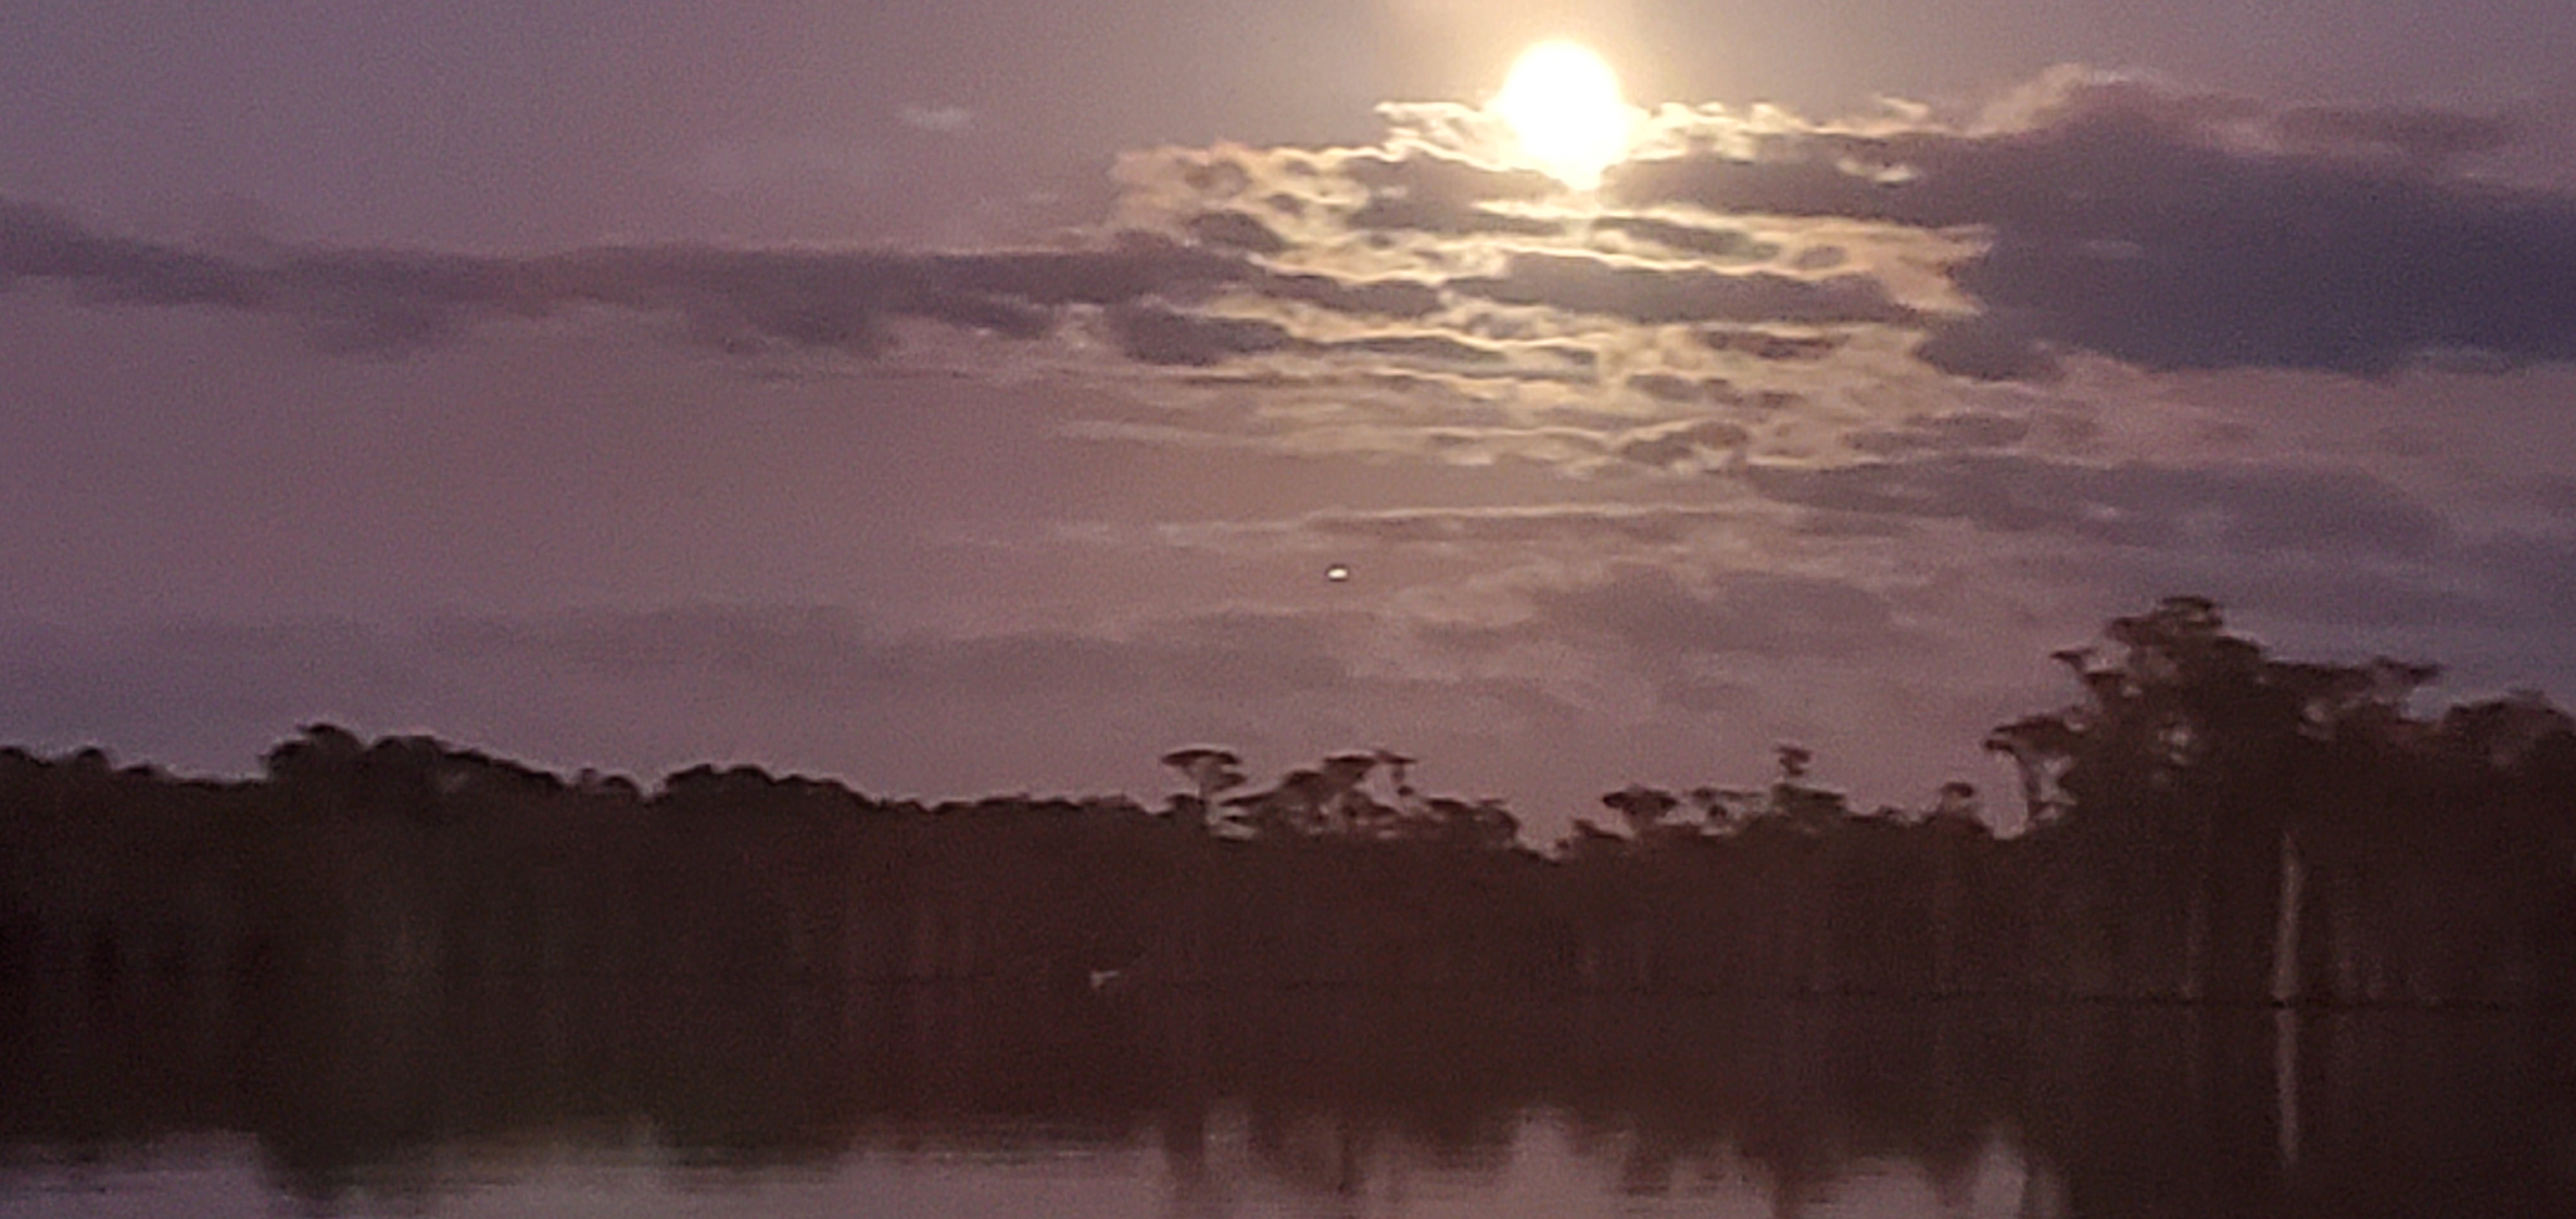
1337	573
1563	106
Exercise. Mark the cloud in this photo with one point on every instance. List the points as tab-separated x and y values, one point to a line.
2151	223
2244	508
1985	349
1157	334
1160	334
1391	297
1447	217
2177	229
1420	299
39	244
2381	601
1586	526
1650	613
1704	441
390	301
1681	237
1652	295
2417	136
1956	431
1420	189
1771	344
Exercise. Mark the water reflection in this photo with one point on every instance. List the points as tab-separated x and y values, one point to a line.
531	1093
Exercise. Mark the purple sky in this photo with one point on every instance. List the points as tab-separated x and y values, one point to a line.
632	385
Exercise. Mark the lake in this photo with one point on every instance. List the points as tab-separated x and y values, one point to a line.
567	1094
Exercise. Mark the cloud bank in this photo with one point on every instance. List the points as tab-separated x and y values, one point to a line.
2084	212
1753	295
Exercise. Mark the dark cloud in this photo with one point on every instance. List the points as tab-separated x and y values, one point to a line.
1672	446
1673	387
1422	175
1731	244
2179	230
1772	345
2422	137
1572	356
1447	217
1985	349
1422	192
2167	228
373	300
1160	334
1422	346
1655	294
1220	173
2240	508
1157	334
2322	591
38	244
1650	613
1570	525
1418	171
363	301
1957	431
1396	298
1233	230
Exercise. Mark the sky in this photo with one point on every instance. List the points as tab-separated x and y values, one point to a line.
968	397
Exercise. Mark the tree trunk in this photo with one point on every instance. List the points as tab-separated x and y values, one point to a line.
2285	929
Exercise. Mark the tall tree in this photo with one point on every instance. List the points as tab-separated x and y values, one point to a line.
1211	770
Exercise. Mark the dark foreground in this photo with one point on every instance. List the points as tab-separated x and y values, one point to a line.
355	1089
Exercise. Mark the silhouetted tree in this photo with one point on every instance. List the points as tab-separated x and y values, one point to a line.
1798	805
1399	770
1292	807
1211	770
1643	809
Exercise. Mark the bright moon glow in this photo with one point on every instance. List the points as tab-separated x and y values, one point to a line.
1563	106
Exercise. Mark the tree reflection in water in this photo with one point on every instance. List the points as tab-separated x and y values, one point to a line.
353	1085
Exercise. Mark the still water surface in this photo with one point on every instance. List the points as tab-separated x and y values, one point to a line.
1547	1170
570	1096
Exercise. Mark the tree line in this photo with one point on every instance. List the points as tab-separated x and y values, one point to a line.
2206	823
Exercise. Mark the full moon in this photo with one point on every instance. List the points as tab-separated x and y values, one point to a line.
1563	106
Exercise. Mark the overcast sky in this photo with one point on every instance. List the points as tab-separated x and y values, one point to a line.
970	396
